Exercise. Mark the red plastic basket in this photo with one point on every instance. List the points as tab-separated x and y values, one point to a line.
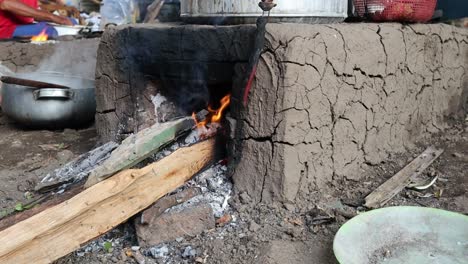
396	10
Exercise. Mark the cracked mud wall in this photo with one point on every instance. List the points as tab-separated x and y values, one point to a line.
330	100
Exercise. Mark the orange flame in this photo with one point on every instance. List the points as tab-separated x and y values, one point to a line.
215	115
41	37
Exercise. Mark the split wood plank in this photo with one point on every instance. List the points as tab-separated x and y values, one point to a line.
138	147
63	228
399	181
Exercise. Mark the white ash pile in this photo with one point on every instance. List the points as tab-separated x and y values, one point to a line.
216	190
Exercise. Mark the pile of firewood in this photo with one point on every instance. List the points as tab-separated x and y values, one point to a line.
113	193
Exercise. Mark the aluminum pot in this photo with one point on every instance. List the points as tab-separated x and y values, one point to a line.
235	11
50	107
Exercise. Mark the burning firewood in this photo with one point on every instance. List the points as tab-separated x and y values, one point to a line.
63	228
207	127
140	146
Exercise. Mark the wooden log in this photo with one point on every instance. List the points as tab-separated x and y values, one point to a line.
399	181
138	147
63	228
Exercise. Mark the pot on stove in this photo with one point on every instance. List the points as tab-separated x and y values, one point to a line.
239	12
50	107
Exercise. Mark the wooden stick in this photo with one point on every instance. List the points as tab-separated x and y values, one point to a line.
153	11
63	228
31	83
399	181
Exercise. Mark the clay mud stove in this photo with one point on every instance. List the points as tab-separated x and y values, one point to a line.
235	143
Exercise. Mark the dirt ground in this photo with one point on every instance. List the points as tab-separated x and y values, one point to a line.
258	233
26	156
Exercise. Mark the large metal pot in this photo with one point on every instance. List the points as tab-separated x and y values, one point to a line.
50	107
235	11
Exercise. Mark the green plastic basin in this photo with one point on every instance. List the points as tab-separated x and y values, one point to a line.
399	235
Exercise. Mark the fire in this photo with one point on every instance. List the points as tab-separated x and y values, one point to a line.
215	115
41	37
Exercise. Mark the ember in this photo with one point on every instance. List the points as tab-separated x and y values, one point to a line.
41	37
214	115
